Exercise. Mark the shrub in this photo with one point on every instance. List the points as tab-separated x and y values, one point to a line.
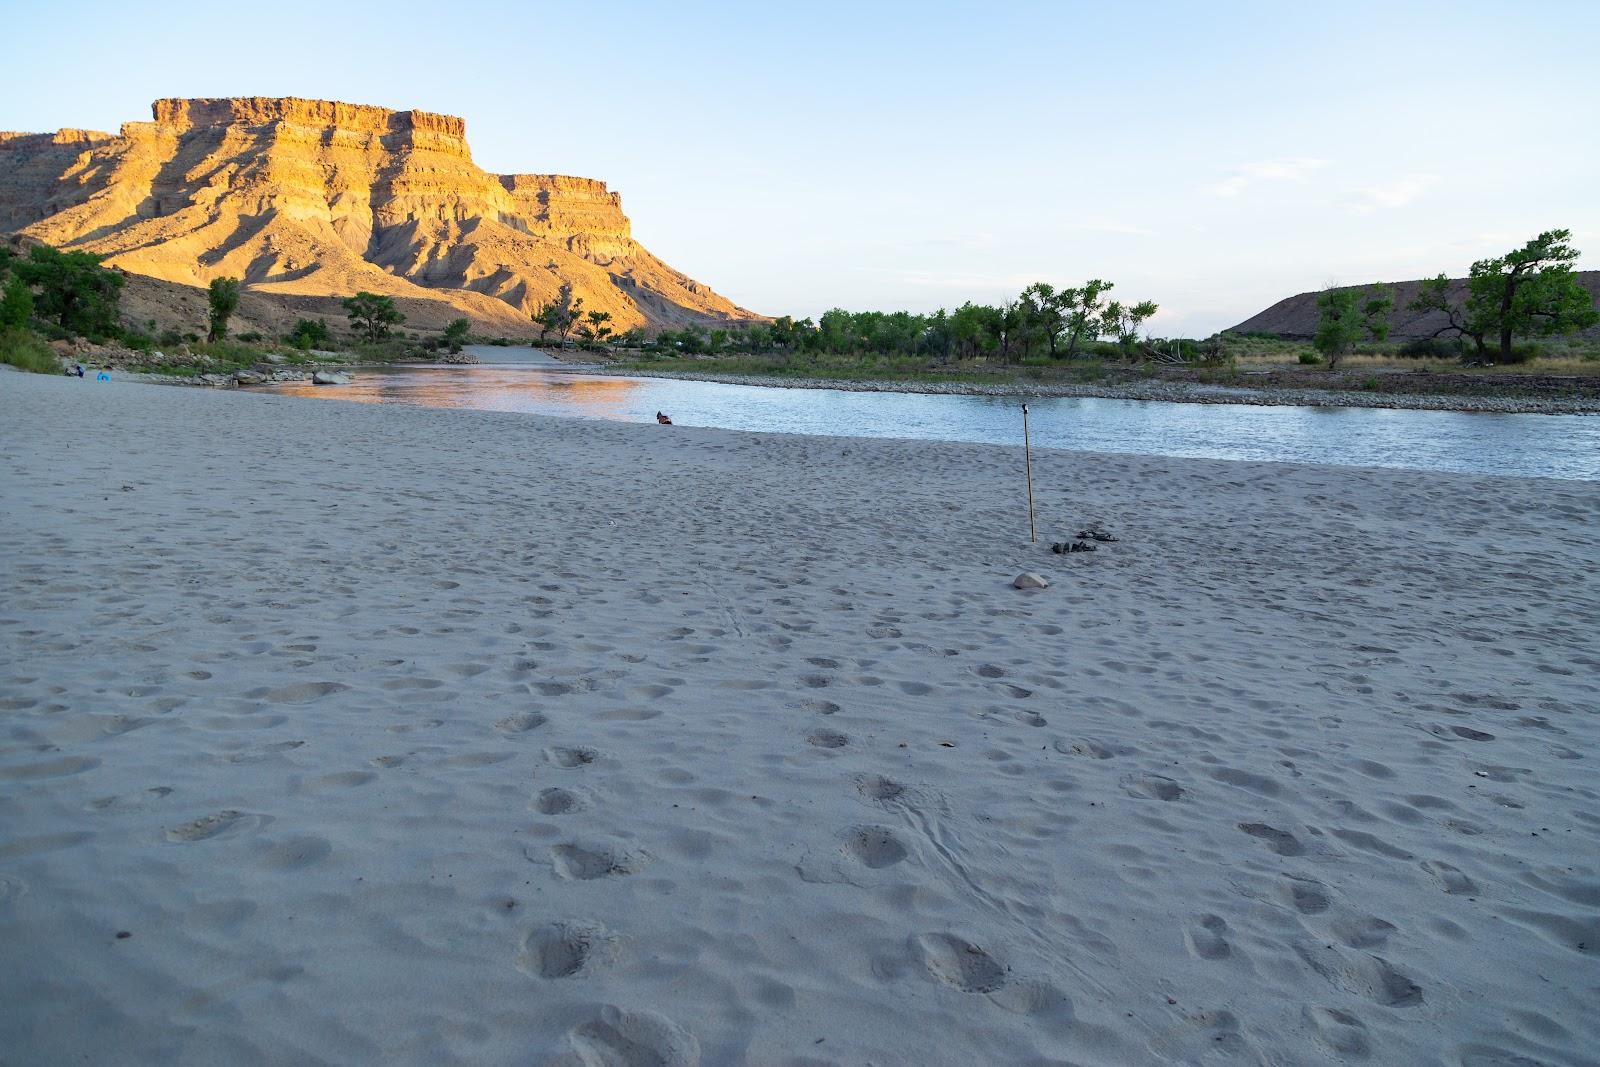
25	350
1435	348
309	333
1310	359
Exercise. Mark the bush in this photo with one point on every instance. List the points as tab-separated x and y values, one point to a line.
25	350
1435	348
309	333
250	337
138	340
1310	359
75	291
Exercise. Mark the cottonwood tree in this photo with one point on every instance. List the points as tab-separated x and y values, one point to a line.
223	297
1349	316
73	289
1084	311
1531	292
16	299
1124	320
549	316
596	328
455	334
1434	295
372	315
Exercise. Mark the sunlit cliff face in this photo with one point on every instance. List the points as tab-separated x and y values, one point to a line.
321	198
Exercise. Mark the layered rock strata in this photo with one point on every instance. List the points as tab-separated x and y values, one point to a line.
312	200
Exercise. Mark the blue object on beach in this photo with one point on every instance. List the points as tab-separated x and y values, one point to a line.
102	377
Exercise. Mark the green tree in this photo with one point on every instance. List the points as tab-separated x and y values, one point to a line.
310	333
372	315
223	297
596	328
1434	295
1043	315
1531	292
16	305
976	327
1084	313
455	334
1124	321
1349	316
74	290
571	312
548	317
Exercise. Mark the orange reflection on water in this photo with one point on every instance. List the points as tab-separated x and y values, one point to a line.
483	388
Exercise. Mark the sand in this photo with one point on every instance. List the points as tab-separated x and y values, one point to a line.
339	733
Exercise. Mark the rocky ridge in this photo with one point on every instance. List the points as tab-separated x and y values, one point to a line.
309	201
1295	317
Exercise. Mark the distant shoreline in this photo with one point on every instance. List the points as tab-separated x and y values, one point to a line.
1155	389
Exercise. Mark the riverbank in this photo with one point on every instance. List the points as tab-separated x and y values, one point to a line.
1258	392
353	732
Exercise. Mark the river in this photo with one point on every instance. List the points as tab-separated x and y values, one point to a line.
1553	446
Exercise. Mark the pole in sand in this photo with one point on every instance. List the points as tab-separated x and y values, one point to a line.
1027	452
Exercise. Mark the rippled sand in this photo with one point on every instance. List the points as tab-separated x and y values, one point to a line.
346	733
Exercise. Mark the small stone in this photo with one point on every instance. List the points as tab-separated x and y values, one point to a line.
328	377
1029	580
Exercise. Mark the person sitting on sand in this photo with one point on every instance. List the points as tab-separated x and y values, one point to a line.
663	419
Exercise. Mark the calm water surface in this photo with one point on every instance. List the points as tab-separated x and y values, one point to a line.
1557	446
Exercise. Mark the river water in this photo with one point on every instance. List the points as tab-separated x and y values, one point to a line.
1555	446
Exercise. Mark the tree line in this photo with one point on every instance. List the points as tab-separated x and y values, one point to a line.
1529	292
1041	321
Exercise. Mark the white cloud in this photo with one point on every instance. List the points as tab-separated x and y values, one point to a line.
1397	192
1291	168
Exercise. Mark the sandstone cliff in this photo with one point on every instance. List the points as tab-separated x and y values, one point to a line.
1295	317
309	201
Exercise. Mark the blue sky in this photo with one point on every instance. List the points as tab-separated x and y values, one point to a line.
1212	157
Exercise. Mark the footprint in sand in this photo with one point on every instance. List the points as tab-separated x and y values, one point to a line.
562	949
629	715
1280	841
1450	878
295	853
617	1038
304	693
216	825
586	862
341	780
475	759
874	846
827	739
1151	787
521	722
131	801
570	757
958	963
1305	895
1342	1032
1206	938
557	801
55	768
880	789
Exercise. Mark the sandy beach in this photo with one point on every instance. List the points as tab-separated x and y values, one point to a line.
334	733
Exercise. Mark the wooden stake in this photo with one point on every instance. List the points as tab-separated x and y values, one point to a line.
1027	451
